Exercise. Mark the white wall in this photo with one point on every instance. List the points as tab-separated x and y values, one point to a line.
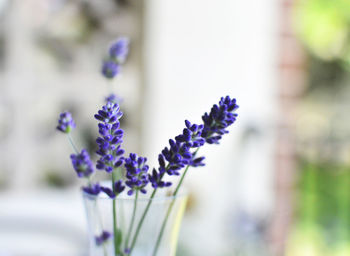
195	52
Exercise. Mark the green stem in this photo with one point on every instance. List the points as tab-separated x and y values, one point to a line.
72	144
160	235
180	182
132	221
116	249
89	181
141	221
144	216
148	206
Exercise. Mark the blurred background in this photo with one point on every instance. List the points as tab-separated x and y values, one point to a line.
279	183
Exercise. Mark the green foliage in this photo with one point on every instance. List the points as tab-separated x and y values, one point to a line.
323	25
323	203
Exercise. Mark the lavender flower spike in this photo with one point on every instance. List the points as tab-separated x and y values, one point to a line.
178	155
120	50
220	117
136	173
110	69
65	123
109	142
82	164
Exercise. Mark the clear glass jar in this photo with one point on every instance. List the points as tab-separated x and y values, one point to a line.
144	236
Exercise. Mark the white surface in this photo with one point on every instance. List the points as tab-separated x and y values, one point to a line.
42	223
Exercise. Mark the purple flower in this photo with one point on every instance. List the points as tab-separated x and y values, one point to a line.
109	192
182	151
93	189
114	99
100	239
156	179
110	69
220	117
65	123
120	49
110	113
118	188
109	142
191	135
179	154
136	173
82	164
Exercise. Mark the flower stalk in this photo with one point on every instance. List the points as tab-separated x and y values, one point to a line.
160	235
141	221
132	222
72	144
115	227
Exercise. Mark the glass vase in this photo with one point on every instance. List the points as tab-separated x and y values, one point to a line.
145	227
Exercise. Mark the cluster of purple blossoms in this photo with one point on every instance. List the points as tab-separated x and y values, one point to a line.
136	173
120	49
82	164
109	143
178	155
95	189
118	187
65	122
92	189
110	69
182	151
101	239
220	117
118	53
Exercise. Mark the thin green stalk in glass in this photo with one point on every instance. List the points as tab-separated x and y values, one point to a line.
116	235
141	221
144	215
126	245
160	235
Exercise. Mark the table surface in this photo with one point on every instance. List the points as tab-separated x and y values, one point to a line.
40	223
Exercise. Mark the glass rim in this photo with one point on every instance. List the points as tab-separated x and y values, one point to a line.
182	194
